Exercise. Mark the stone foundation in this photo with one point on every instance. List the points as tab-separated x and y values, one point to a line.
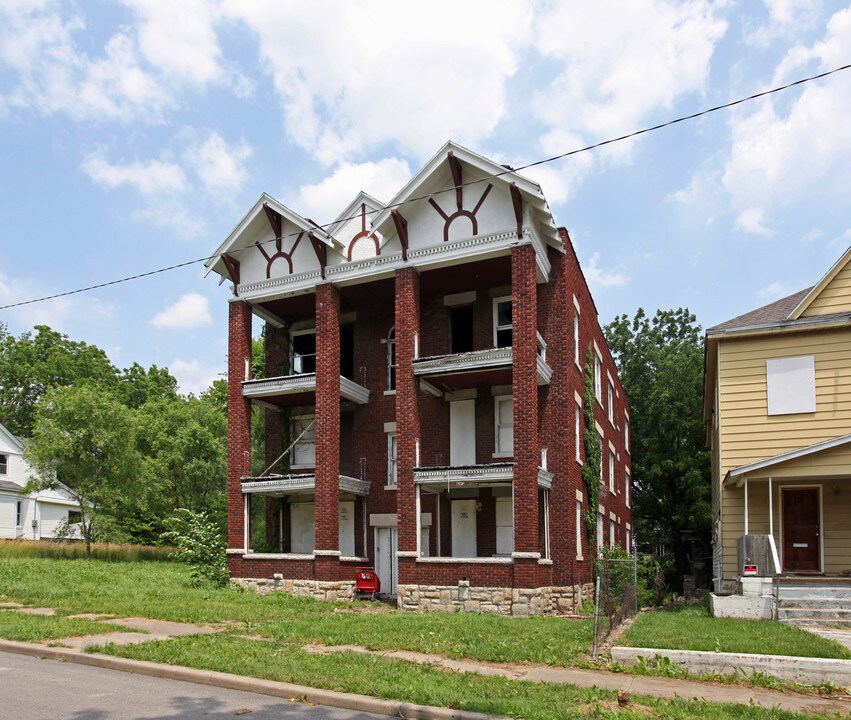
318	589
520	602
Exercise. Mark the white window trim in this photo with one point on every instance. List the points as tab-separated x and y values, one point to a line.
610	398
598	375
390	341
628	486
301	466
577	431
4	464
497	452
296	333
578	527
392	439
577	314
626	429
495	305
612	459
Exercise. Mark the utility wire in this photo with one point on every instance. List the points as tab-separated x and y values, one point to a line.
507	171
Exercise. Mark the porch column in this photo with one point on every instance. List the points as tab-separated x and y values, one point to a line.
746	506
524	310
407	417
327	496
239	417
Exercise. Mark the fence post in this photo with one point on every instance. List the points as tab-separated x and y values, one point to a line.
635	571
596	612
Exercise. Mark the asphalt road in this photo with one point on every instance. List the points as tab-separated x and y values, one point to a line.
33	689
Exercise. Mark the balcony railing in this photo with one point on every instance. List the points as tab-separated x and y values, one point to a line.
302	383
300	483
473	475
477	361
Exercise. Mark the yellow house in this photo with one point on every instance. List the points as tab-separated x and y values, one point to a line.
777	408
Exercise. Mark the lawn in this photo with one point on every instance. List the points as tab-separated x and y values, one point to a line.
692	627
37	628
280	625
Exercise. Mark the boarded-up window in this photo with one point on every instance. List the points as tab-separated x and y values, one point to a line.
791	385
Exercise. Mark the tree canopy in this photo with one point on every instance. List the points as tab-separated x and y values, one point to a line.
660	361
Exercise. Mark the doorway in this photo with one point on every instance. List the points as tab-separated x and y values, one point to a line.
801	529
464	528
386	560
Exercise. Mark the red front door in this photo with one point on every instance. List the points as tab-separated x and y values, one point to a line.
801	530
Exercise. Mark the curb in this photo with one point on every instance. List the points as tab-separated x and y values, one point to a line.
315	696
810	671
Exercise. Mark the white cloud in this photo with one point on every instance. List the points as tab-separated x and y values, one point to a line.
775	290
324	200
190	311
149	178
220	167
412	74
811	236
193	376
179	38
751	221
599	278
785	17
780	156
620	64
841	241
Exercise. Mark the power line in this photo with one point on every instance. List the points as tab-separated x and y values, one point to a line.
507	171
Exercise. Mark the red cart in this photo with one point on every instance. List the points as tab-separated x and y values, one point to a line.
366	581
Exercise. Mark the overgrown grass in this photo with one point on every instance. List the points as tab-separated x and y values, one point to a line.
73	550
427	685
164	591
692	627
37	628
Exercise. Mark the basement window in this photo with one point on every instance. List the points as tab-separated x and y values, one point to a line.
461	329
303	344
502	328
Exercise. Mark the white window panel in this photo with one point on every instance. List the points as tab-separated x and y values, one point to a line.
304	451
462	432
791	385
504	416
502	325
391	459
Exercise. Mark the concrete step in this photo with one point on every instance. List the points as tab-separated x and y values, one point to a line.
811	622
814	614
811	591
817	603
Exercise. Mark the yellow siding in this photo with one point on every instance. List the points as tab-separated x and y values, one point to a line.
835	297
747	432
836	530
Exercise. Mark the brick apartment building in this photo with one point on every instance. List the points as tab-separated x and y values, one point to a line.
427	360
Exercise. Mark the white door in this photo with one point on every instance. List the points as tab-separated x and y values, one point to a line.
464	528
302	528
504	526
386	562
347	529
462	432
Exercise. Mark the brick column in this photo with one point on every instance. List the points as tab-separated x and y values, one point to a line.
524	310
327	497
407	417
239	416
277	364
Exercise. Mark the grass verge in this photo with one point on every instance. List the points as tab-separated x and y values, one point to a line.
74	550
38	628
398	680
692	627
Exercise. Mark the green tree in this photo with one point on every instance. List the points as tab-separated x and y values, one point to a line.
39	360
660	361
82	440
183	443
138	386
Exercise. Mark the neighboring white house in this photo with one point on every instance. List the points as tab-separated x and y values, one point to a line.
33	516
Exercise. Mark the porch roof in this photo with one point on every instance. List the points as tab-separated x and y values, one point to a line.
760	470
298	484
481	475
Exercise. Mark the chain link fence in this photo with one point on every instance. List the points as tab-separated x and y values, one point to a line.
623	584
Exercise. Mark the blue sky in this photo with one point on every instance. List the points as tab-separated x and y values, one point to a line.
136	134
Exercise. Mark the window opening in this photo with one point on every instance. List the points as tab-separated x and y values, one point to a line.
391	459
304	451
19	513
502	322
461	329
504	412
391	359
347	351
4	464
303	352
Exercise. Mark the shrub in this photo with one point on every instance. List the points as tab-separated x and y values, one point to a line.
200	545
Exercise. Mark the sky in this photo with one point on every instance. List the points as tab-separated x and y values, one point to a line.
135	135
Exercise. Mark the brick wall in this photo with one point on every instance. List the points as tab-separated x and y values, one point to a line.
239	416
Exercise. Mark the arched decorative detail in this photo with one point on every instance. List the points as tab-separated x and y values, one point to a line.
276	221
455	169
362	234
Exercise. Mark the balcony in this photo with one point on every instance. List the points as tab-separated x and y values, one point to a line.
492	366
299	389
298	484
482	475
